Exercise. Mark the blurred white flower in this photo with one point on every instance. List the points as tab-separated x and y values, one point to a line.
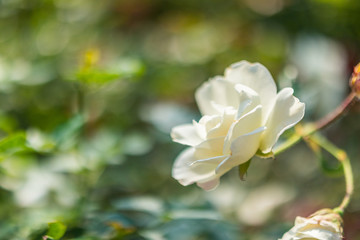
242	112
41	185
39	141
322	225
321	71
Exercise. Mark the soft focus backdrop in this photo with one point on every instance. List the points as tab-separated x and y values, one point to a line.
89	91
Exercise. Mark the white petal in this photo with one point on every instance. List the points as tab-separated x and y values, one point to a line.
301	221
214	93
248	99
212	160
247	145
318	233
210	148
186	134
210	122
256	77
221	129
187	173
247	123
242	149
287	111
209	185
200	129
331	226
205	124
313	228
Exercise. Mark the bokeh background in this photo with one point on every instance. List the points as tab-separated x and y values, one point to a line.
89	91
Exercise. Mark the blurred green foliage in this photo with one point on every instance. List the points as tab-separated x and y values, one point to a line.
56	230
89	91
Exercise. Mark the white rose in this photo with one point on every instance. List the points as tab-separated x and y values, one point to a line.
324	225
242	112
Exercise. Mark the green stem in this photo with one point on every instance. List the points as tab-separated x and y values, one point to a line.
342	157
287	144
300	132
349	179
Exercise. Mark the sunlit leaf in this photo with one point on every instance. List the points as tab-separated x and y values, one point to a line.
12	144
96	76
56	230
126	68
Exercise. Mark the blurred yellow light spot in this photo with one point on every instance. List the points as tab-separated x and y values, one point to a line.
91	57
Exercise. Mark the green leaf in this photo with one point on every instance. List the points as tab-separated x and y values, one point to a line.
56	230
96	76
12	144
7	124
68	130
243	169
126	68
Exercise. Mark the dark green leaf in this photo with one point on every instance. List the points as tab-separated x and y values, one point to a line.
7	124
243	169
69	129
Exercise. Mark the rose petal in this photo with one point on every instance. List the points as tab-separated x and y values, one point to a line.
209	148
318	233
256	77
209	185
287	111
214	93
186	134
187	173
242	149
246	124
248	99
221	129
205	124
314	228
210	122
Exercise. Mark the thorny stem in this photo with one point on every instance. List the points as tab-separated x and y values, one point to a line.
340	110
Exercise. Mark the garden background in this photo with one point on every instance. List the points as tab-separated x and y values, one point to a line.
89	91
